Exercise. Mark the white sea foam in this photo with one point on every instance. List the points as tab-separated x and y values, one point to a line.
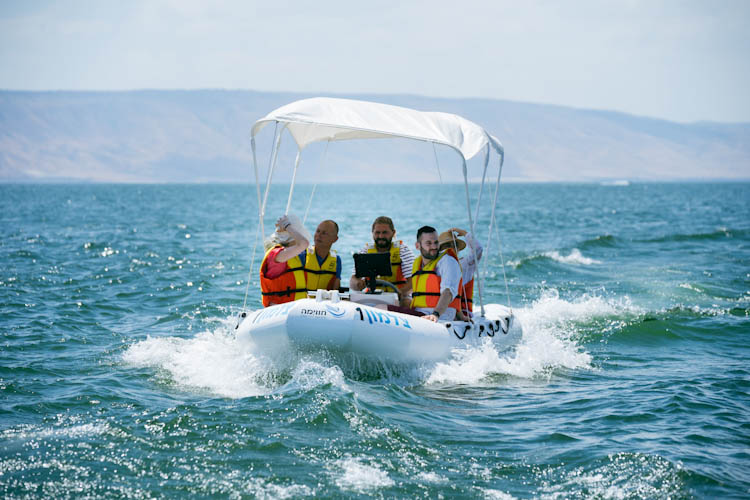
263	489
690	287
310	374
491	494
431	477
549	341
215	361
212	361
353	475
575	257
623	476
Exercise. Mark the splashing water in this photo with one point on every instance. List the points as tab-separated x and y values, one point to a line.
212	361
549	341
216	362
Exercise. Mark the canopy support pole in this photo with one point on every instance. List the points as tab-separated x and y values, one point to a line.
471	225
294	179
477	275
312	193
437	163
493	224
272	167
258	228
257	185
481	187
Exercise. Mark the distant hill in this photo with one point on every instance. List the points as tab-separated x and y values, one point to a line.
203	136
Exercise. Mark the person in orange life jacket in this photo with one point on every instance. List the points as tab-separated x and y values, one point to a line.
436	277
322	266
402	259
468	263
279	283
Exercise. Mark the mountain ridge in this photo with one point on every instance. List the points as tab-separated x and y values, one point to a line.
203	136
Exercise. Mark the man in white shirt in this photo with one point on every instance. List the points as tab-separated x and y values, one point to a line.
468	264
435	278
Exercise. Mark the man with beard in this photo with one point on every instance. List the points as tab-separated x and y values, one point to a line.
436	278
402	258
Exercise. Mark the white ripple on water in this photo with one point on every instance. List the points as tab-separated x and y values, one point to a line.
353	475
32	432
549	341
622	475
575	257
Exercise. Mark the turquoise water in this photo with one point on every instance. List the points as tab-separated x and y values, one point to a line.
120	374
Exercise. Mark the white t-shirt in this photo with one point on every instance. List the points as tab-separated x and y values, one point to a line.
468	263
450	275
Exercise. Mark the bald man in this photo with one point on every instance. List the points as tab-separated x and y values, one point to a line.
322	265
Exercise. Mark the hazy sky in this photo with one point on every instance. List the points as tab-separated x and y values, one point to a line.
680	60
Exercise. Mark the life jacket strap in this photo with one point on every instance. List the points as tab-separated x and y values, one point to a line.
420	294
319	271
421	271
288	291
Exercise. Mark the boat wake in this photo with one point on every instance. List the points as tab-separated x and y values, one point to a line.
215	362
211	361
552	338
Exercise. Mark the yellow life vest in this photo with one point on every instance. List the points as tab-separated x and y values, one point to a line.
397	275
319	276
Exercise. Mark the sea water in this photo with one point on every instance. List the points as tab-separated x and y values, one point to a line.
120	373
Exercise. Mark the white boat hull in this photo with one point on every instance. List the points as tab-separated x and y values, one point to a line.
344	326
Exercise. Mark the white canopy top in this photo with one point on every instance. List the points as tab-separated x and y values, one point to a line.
330	119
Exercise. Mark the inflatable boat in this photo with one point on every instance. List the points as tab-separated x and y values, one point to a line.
360	323
331	322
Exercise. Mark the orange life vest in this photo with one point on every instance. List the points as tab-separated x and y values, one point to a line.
397	275
425	283
467	304
288	286
319	276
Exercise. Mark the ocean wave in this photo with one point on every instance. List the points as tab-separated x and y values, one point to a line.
683	311
604	240
575	257
621	475
720	233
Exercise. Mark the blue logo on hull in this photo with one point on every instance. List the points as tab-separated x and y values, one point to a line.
335	311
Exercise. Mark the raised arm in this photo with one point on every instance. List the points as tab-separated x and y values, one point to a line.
299	244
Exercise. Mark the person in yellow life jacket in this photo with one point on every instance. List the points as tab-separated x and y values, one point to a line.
282	277
322	266
402	259
436	278
468	263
